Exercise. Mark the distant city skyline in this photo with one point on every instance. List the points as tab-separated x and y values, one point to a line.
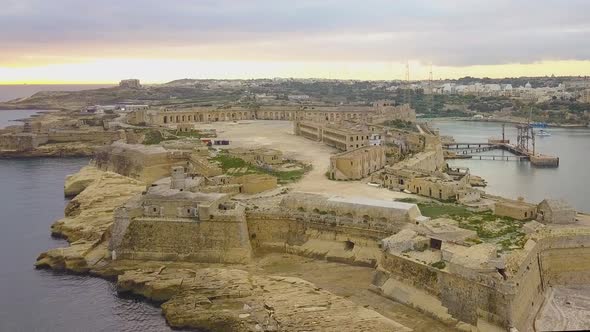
68	41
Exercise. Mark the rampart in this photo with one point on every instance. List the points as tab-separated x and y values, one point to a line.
490	299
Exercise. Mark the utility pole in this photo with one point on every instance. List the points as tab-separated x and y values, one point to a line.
407	88
431	90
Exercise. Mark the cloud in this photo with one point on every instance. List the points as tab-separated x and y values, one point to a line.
447	33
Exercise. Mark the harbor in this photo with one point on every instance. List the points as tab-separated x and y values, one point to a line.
523	150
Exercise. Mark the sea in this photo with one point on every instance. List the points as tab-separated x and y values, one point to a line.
570	181
10	92
31	199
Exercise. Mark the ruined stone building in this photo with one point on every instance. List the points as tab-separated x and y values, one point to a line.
195	114
357	164
517	209
262	155
553	211
344	138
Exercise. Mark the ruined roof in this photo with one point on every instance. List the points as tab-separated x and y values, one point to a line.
163	192
446	230
557	204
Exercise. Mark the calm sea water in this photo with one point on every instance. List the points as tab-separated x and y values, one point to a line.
570	181
9	92
31	192
8	117
41	300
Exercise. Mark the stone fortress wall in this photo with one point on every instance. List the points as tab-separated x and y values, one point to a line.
378	112
483	300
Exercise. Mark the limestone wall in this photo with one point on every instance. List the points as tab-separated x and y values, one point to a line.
21	142
558	257
323	241
205	241
99	137
145	163
465	299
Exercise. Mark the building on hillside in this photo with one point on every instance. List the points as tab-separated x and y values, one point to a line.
553	211
357	164
130	84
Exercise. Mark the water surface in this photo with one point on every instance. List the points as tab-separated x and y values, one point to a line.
8	117
570	181
42	300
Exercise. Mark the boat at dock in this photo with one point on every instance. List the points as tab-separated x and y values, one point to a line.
542	133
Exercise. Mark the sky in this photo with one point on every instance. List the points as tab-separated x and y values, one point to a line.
75	41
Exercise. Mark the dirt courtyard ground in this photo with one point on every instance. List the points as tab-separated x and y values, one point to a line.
279	135
351	282
566	308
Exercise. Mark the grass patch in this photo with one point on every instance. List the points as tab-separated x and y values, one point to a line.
505	232
228	163
153	137
407	200
439	265
401	124
434	210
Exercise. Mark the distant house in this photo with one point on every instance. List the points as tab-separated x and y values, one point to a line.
553	211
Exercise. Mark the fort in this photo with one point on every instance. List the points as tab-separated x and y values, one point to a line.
471	260
379	112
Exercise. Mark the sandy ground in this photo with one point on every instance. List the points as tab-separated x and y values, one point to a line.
351	282
566	308
279	135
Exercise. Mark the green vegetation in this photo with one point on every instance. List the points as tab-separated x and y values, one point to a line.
407	200
153	137
236	166
503	231
436	210
192	134
401	124
439	265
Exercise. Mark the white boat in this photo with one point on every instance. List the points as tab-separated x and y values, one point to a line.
542	133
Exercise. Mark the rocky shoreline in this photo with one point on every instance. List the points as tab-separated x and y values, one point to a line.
213	296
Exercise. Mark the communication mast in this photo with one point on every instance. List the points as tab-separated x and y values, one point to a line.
407	84
430	90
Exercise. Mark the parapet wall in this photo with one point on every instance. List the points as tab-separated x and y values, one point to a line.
205	241
99	137
488	299
282	233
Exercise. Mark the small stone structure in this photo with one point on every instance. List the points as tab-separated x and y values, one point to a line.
262	155
552	211
517	209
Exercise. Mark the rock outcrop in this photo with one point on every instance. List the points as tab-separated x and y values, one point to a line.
77	182
88	218
219	298
224	299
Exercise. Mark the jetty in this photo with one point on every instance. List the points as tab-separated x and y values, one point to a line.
524	150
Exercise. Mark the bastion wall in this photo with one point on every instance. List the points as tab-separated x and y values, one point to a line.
320	239
488	299
212	241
